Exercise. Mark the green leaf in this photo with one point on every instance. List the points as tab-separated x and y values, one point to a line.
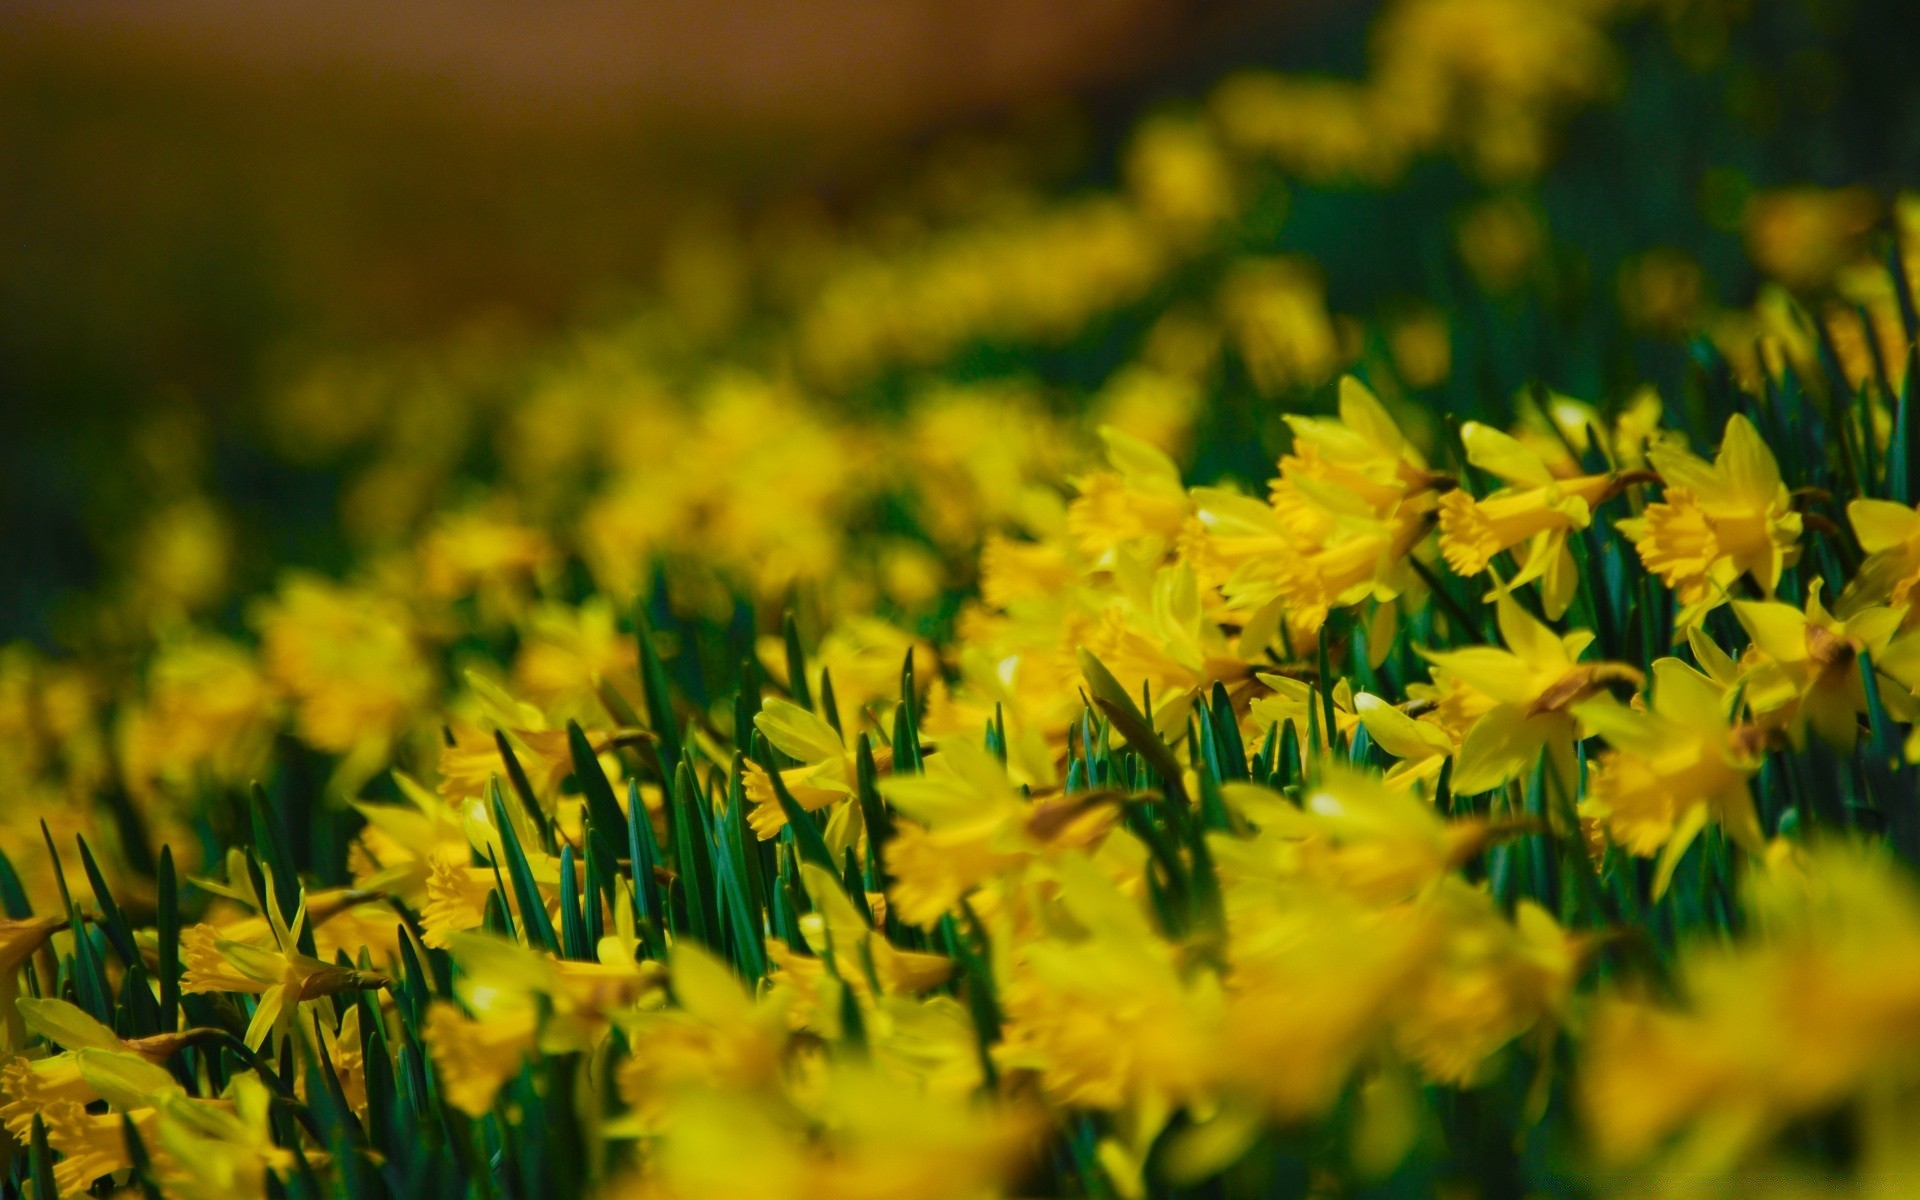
137	1155
873	808
40	1163
693	845
535	924
829	704
1132	725
644	857
119	933
573	925
805	834
796	662
602	808
658	695
167	931
271	840
523	788
13	897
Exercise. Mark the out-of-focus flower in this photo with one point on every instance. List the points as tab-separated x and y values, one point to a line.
348	659
1277	311
1802	236
1819	1006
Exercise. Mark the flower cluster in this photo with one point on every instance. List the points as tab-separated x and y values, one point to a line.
1253	760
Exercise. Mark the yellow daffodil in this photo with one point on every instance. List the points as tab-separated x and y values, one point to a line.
278	973
1536	509
1890	534
1422	746
1529	691
826	774
1362	834
1673	768
1140	497
1716	522
1809	671
1819	1006
965	824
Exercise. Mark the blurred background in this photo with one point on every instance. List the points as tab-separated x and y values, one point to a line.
198	198
204	203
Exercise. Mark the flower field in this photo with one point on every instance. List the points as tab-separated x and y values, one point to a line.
1291	662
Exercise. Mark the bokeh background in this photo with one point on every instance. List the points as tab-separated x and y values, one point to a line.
203	204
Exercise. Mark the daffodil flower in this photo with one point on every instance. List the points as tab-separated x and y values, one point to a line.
1351	501
504	990
279	974
1809	671
1716	522
1139	498
1890	534
1536	509
1532	686
964	824
826	774
1423	747
1368	836
1673	768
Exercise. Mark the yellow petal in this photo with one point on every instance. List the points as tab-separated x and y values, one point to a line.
1503	455
1745	462
798	733
1685	830
65	1025
1397	733
1882	524
1779	630
1528	637
1142	465
1363	413
1501	746
1684	695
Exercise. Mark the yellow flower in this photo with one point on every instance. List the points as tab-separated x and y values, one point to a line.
1890	534
1179	175
1277	312
965	824
281	976
464	551
1673	768
1105	1016
1138	499
1533	686
1801	236
90	1144
519	1000
1422	746
826	773
475	1057
1351	501
1300	704
348	658
1809	670
863	657
1538	510
1365	836
843	957
1491	980
1717	521
1820	1004
566	653
717	1036
208	711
